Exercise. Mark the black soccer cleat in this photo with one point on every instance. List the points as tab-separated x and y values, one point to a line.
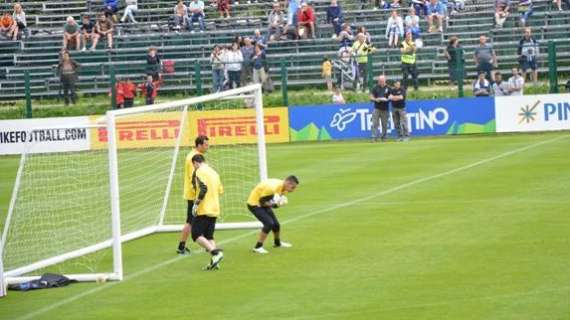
183	252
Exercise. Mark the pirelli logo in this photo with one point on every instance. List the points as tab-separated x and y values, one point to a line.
143	130
238	126
222	126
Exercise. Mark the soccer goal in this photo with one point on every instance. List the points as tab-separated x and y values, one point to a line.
70	211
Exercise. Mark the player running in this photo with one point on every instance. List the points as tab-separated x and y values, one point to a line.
269	194
201	146
206	208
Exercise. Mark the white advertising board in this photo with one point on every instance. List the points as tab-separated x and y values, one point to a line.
547	112
44	135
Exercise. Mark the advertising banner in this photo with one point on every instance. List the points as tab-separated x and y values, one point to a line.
533	113
44	135
425	118
160	129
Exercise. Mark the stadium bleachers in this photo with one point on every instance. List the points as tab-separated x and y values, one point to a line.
39	53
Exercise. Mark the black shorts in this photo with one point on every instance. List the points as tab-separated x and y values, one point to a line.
203	226
189	215
267	217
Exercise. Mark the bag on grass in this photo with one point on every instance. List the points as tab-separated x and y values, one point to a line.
46	281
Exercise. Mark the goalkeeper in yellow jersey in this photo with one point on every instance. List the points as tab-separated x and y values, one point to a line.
201	146
269	194
206	209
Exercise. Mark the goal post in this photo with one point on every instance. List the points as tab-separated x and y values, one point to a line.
71	210
58	210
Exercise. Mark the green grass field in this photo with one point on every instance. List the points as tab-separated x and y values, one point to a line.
473	227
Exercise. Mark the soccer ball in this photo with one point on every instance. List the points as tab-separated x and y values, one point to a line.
280	200
101	279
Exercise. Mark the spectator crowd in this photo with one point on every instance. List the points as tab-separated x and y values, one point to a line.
245	59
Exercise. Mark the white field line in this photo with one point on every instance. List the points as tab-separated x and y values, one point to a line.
292	220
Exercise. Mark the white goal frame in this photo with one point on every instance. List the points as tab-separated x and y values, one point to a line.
253	91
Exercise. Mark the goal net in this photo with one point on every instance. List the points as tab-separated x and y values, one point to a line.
69	206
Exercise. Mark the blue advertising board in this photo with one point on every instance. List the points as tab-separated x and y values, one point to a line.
425	118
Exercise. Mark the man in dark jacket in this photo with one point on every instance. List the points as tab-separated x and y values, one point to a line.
335	16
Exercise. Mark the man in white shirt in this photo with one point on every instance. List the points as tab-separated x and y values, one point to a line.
196	9
500	87
516	83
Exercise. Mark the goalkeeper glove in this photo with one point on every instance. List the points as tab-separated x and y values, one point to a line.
195	208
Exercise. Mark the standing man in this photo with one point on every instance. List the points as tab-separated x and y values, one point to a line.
269	194
528	52
379	96
361	49
206	209
485	58
201	145
408	58
399	117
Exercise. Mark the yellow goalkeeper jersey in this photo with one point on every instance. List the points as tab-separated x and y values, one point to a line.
208	180
189	191
265	190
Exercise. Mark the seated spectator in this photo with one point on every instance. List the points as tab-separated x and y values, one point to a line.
110	8
180	15
326	72
558	4
419	7
292	8
500	87
67	71
367	36
103	29
335	17
217	69
345	37
71	34
87	27
196	9
395	4
259	64
567	86
337	97
502	8
412	25
485	57
291	31
306	18
528	53
394	29
435	10
259	39
153	64
276	22
457	6
455	60
412	18
516	83
223	8
8	28
131	8
233	59
481	86
525	8
19	17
